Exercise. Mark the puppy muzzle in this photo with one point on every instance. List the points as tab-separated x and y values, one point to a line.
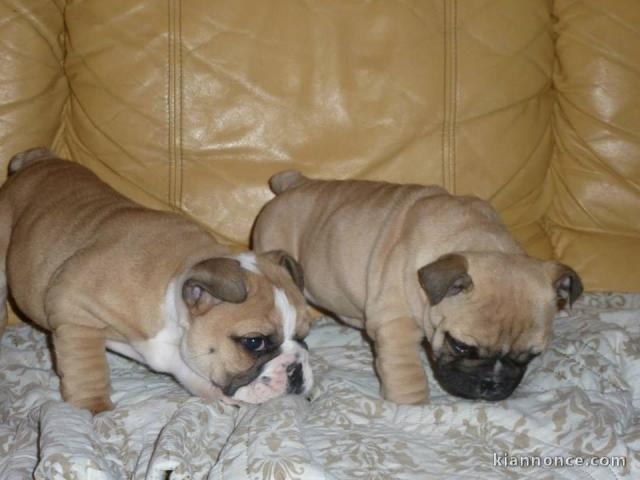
286	371
295	378
491	379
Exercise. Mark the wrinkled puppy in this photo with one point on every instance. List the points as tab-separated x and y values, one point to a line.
409	261
100	271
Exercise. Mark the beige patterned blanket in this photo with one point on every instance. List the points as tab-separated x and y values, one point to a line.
580	399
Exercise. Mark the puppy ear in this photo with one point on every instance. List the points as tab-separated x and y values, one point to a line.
213	281
566	283
445	277
282	258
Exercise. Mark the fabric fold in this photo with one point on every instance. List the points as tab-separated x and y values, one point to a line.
189	444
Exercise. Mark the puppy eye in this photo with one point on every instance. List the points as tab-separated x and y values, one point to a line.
254	344
461	349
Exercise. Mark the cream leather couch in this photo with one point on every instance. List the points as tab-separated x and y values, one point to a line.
192	105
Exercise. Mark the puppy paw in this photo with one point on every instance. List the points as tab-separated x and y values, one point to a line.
412	397
95	406
230	401
403	383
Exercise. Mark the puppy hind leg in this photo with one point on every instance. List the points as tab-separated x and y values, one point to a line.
398	363
81	362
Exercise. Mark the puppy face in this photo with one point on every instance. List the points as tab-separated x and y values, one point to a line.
248	321
489	315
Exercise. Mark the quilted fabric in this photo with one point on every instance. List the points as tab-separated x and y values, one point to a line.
581	398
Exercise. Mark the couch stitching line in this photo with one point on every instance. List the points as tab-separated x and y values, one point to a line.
452	159
445	96
174	102
450	95
172	171
179	194
169	100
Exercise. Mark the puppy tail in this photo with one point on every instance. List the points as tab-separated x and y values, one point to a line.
28	157
285	180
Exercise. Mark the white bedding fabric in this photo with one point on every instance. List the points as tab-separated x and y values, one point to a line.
580	398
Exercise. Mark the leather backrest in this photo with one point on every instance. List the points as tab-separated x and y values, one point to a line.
33	87
195	104
594	220
192	105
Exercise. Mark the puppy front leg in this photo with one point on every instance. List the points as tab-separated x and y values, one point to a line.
398	362
81	362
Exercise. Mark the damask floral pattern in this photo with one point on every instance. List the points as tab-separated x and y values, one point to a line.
581	398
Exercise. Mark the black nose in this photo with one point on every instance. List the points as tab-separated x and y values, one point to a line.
488	388
494	391
294	374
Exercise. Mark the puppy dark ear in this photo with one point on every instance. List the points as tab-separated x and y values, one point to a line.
213	281
566	283
286	261
445	277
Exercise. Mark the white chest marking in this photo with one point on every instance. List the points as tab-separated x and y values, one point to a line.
248	262
286	311
125	349
162	351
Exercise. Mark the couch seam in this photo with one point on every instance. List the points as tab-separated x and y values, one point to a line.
454	80
450	95
59	142
169	100
174	103
181	158
445	69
